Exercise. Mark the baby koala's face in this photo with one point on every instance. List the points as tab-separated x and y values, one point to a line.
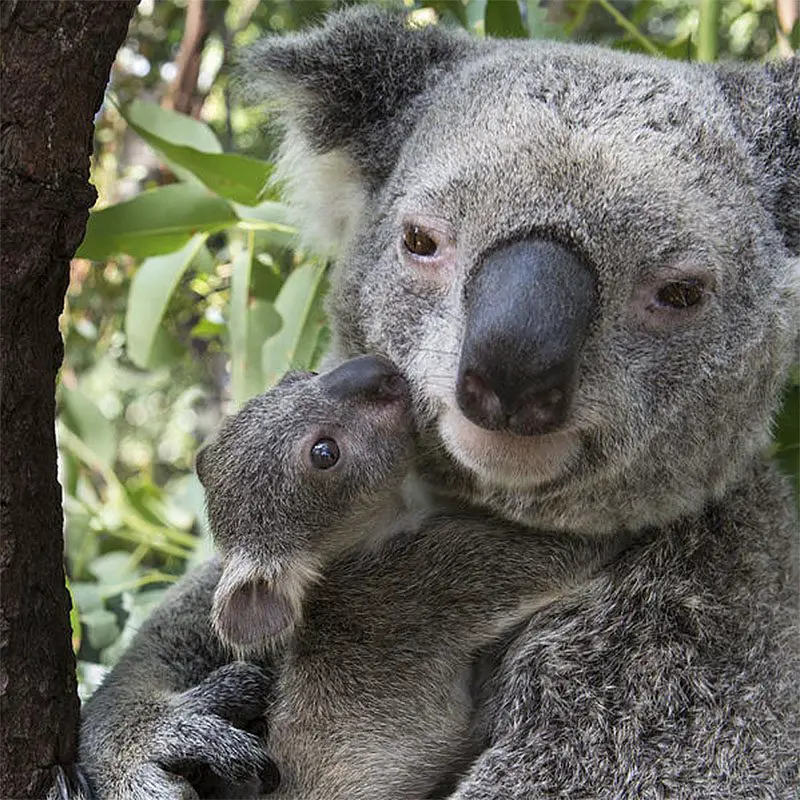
299	474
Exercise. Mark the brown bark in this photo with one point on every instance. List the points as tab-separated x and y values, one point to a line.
56	57
182	91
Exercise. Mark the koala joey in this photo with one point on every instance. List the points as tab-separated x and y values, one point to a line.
375	625
298	476
585	265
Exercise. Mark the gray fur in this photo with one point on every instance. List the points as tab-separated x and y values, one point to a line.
372	698
675	674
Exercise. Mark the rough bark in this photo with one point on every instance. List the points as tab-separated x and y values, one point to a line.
56	58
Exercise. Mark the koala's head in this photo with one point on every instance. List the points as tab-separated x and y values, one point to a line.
584	262
298	475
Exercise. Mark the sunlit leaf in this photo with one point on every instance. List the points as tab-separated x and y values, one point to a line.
111	568
151	288
82	416
235	177
154	223
300	305
504	20
74	619
476	17
171	126
251	322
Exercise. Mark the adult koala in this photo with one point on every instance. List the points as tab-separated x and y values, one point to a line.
585	263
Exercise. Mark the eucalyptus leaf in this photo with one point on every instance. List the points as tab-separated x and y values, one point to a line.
150	292
252	321
476	16
155	222
537	24
300	305
170	125
235	177
100	627
111	568
82	416
504	20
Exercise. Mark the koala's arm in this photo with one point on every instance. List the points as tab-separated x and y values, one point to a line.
671	674
169	720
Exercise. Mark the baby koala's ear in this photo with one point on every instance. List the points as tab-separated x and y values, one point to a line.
252	614
257	605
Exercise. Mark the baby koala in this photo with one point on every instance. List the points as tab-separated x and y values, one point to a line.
376	621
298	476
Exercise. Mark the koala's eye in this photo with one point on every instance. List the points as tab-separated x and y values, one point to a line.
418	242
324	453
681	294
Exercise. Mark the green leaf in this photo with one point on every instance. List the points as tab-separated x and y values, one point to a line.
101	628
151	288
300	305
503	19
82	416
538	26
476	17
238	178
170	125
252	321
794	36
74	619
112	568
155	222
87	596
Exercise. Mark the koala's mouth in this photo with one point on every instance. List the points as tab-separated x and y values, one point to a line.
506	459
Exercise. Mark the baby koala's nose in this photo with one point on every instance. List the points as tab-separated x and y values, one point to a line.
370	378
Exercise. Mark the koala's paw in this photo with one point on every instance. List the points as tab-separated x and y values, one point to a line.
208	743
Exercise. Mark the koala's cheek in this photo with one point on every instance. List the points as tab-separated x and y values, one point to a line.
506	459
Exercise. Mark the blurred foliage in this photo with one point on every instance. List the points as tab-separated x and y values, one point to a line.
187	295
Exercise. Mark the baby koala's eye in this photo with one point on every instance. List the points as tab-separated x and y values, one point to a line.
324	453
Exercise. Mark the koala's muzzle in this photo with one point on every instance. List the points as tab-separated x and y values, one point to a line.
528	313
371	379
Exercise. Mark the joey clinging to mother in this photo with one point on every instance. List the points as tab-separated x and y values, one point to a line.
544	242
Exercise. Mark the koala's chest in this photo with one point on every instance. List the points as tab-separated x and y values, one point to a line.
368	717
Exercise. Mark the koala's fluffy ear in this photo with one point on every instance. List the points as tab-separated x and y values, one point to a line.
250	615
259	601
345	94
766	104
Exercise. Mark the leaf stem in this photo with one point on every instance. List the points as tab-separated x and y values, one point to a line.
628	26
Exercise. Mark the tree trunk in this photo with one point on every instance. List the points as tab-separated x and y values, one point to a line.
56	57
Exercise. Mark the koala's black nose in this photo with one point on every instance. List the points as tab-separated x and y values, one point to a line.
369	378
528	314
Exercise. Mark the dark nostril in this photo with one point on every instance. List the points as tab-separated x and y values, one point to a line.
479	401
539	410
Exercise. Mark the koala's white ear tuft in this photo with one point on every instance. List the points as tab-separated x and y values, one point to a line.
326	193
251	615
345	95
258	602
